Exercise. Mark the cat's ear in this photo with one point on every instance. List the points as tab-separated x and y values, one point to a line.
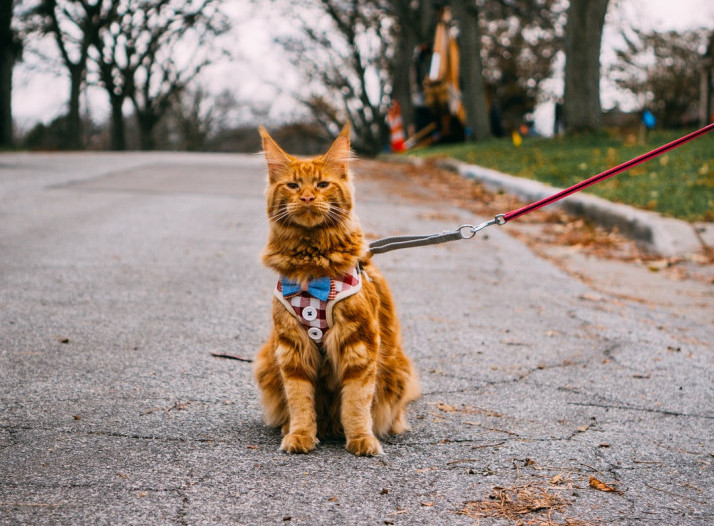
278	161
338	157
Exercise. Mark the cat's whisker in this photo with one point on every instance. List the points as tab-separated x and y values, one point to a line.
337	218
281	219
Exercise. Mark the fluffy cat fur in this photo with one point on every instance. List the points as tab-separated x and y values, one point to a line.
359	381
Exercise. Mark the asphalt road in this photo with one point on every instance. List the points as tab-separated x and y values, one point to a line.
120	274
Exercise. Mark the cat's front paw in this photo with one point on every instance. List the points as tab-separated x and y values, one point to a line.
366	446
298	443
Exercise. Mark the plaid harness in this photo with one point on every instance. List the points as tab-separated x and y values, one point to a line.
314	313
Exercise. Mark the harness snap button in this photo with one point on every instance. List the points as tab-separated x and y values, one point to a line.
314	333
309	313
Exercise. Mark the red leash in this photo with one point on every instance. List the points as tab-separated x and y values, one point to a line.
607	173
468	231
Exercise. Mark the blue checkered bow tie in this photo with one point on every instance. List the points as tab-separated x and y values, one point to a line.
318	288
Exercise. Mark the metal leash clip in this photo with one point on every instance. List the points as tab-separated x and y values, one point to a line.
469	231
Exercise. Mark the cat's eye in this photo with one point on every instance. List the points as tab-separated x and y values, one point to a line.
323	184
292	186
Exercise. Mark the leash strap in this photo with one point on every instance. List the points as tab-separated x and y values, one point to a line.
388	244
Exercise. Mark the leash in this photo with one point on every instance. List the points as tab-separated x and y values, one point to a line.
388	244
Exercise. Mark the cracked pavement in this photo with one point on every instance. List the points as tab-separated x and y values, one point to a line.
122	273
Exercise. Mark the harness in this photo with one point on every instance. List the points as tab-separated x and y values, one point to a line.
313	307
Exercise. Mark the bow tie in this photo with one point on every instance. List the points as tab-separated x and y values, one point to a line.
318	288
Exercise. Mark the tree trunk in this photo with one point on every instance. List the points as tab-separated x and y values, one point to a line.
118	137
7	61
73	125
402	75
147	122
583	36
472	85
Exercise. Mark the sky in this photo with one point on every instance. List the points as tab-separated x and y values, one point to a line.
259	75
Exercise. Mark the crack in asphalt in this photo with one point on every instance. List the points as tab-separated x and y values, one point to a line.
644	409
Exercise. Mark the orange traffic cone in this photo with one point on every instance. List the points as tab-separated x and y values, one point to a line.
396	127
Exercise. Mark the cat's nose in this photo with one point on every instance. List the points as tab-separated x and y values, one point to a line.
307	198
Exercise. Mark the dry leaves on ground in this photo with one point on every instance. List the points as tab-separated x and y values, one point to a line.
601	486
524	505
427	181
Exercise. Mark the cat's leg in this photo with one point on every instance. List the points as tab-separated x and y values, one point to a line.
270	382
358	376
300	397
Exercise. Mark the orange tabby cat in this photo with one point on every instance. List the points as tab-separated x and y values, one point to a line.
333	365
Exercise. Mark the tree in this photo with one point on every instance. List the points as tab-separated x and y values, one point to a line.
656	68
356	56
472	82
520	41
583	36
150	54
414	23
10	48
74	26
345	61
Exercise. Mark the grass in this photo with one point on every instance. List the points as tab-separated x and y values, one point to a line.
678	184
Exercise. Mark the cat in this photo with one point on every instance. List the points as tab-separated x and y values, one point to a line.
333	365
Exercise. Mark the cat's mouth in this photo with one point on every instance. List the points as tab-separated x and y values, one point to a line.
309	215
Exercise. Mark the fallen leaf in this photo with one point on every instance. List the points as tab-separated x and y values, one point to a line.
384	491
447	408
700	258
656	266
556	479
427	504
584	428
601	486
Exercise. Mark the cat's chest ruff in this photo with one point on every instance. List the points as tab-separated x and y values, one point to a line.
315	313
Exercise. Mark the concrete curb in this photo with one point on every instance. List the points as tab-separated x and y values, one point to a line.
662	235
